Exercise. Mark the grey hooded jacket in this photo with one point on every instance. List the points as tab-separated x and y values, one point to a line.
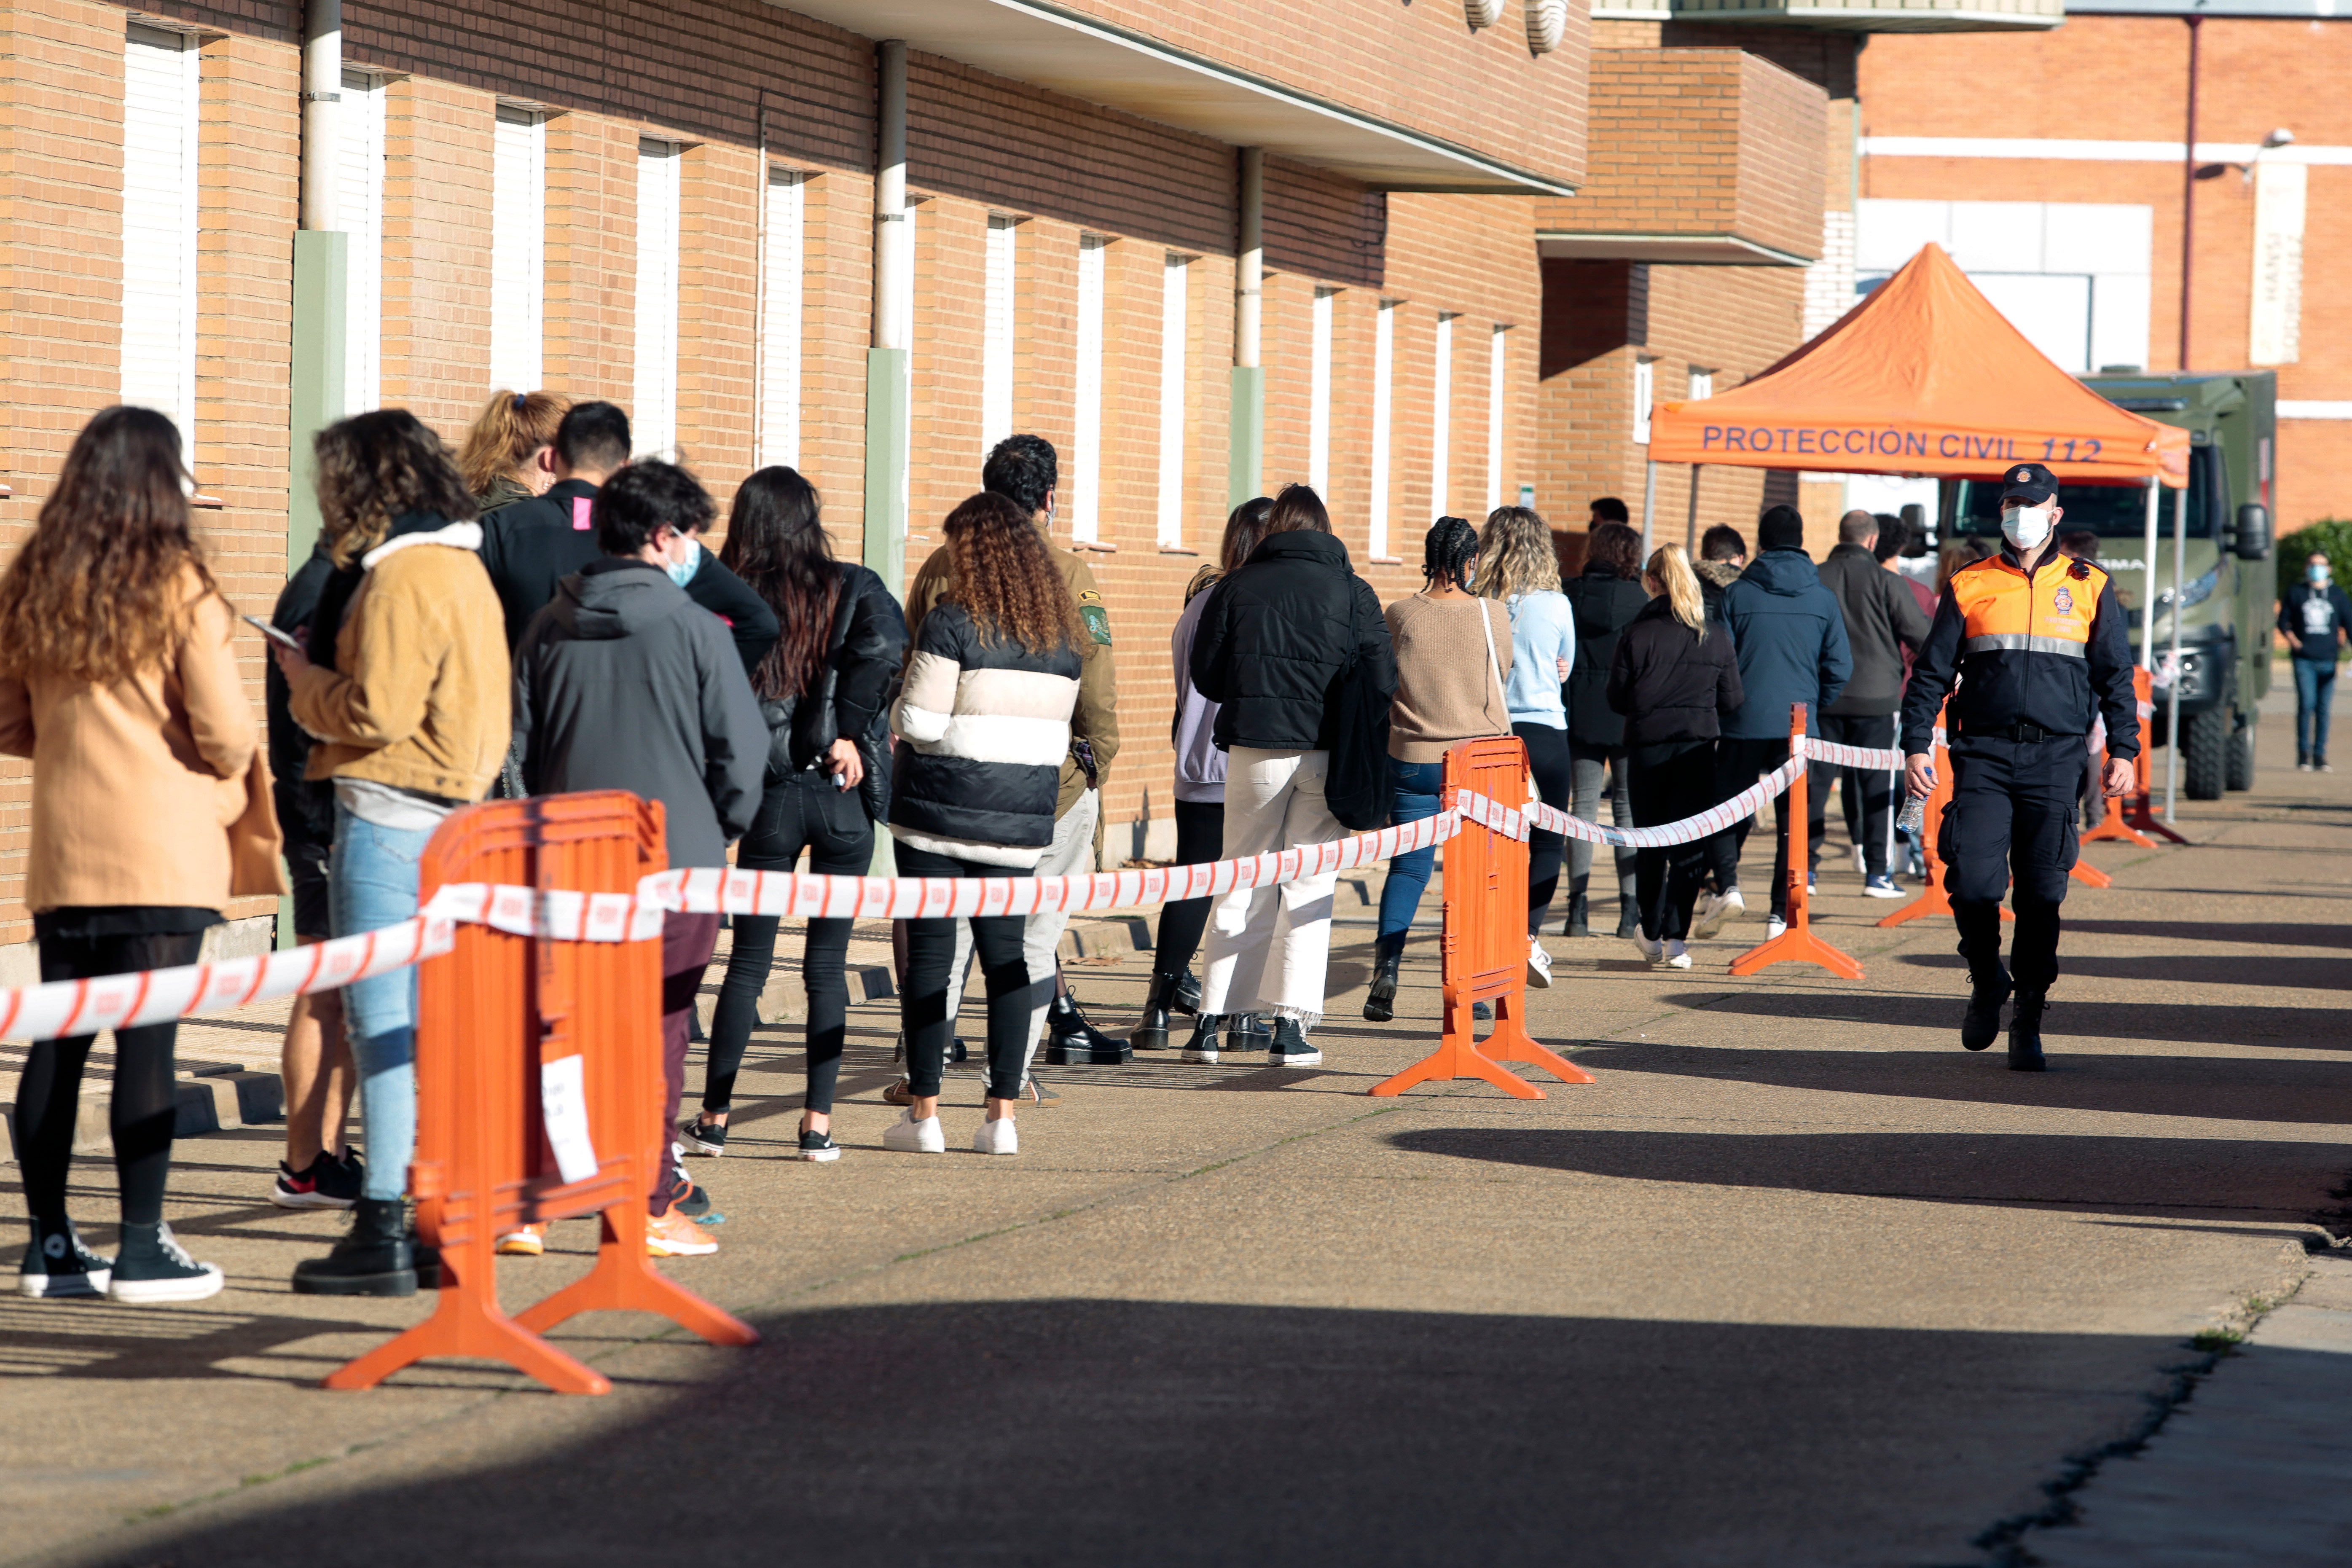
623	682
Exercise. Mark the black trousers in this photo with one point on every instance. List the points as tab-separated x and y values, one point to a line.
1670	781
2011	818
1737	764
1199	838
1555	772
1867	793
144	1105
930	953
804	812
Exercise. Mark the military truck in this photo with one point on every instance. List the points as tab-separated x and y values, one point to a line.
2228	590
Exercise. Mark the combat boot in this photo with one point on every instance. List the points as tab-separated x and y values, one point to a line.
1981	1026
1388	954
1151	1029
2025	1032
1071	1041
374	1260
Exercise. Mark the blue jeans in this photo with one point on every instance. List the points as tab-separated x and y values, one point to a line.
2314	692
1413	794
372	883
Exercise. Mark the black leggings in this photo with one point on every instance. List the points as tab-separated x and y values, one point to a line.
804	812
930	953
143	1107
1199	838
1671	780
1548	759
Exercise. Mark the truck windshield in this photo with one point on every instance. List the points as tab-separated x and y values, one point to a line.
2111	511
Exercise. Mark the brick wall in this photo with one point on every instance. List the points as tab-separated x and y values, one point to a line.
437	250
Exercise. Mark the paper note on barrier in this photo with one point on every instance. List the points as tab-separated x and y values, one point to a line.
564	1111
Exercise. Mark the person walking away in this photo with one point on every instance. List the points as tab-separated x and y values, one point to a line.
1672	678
1605	510
1899	540
825	691
1272	643
1884	628
509	453
984	718
1722	557
2036	646
1790	637
1025	471
150	811
1605	597
1520	568
624	682
404	683
1453	658
2315	619
314	1061
1200	787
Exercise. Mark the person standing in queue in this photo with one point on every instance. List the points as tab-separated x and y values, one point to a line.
2038	648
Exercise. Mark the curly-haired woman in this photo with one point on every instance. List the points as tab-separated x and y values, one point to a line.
118	680
1520	568
985	716
405	688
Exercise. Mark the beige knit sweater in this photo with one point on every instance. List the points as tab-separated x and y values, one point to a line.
1446	691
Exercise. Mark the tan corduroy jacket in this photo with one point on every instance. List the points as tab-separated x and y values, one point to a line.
421	694
150	790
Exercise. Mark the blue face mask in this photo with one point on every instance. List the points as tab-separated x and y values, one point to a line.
2317	571
682	571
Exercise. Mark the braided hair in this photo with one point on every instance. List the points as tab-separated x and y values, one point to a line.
1450	553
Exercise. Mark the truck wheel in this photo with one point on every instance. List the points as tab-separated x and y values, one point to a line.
2204	758
2241	755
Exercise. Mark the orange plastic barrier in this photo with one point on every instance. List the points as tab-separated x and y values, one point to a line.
2132	817
1486	937
1798	944
491	1014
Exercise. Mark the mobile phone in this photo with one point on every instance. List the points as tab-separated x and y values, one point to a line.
272	632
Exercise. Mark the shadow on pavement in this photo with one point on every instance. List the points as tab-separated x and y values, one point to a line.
2314	935
2220	1023
2231	1089
2291	972
1095	1432
2257	1179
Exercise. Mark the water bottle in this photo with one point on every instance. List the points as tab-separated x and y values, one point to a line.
1914	814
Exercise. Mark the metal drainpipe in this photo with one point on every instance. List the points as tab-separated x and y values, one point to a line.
322	99
1246	445
887	382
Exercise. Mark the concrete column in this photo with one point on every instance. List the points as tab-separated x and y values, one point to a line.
1248	429
887	369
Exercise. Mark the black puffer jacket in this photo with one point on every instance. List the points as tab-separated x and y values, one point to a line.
1670	685
1275	638
985	724
865	656
1605	605
306	808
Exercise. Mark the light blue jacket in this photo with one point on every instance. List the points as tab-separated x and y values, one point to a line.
1543	628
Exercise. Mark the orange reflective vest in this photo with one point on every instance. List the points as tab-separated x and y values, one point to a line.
2022	655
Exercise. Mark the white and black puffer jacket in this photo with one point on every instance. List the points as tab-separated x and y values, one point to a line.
984	727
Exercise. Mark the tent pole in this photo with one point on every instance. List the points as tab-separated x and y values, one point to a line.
2172	722
1690	533
1649	503
2147	589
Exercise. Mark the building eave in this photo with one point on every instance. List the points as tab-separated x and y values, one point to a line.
1669	250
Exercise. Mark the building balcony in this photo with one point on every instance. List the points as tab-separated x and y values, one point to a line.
1699	157
1847	15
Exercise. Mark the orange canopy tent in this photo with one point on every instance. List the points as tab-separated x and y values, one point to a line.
1924	376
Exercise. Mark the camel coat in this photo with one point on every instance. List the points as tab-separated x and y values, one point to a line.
152	789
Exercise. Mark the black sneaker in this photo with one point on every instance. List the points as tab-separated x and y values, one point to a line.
691	1200
153	1266
58	1264
326	1183
701	1137
816	1146
1288	1048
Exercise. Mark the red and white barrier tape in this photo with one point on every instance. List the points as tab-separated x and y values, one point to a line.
1714	819
1871	758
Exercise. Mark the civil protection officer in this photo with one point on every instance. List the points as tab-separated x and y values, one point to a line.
2038	645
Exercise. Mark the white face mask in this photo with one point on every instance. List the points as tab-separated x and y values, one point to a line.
2025	526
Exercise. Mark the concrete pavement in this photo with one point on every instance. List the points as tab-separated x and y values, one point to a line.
1797	1281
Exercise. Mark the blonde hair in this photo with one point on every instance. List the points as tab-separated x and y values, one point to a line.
1671	569
1516	553
511	426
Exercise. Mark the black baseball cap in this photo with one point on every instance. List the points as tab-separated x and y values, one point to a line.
2029	482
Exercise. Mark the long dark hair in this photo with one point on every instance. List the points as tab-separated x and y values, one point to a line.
1005	577
1616	549
377	467
1245	531
96	593
776	542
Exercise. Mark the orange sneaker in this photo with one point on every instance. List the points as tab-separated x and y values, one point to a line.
528	1242
672	1235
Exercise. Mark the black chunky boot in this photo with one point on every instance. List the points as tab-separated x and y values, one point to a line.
1576	925
2025	1032
1203	1046
375	1259
1388	953
1981	1026
1071	1041
1187	999
1151	1029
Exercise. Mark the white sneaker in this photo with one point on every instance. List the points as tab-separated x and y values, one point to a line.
1676	956
1861	862
908	1136
1714	909
1539	963
996	1137
1773	926
1651	952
